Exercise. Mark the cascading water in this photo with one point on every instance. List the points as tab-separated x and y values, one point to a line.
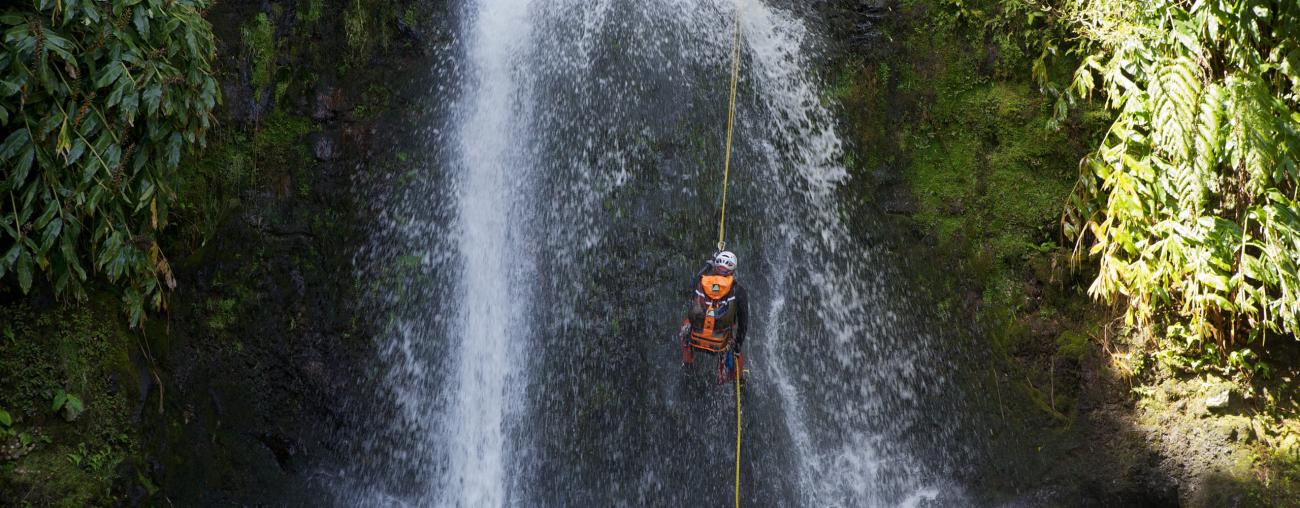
533	276
490	309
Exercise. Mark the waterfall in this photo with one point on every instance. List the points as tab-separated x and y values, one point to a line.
529	276
491	324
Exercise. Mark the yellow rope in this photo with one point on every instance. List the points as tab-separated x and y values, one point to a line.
736	381
722	216
731	122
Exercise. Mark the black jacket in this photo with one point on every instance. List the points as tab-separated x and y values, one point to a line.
742	303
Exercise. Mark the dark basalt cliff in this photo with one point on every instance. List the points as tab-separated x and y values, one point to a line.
265	343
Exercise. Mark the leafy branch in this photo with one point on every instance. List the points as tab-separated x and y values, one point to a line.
99	102
1189	203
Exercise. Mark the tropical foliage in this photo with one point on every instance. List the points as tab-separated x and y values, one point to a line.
1189	203
99	103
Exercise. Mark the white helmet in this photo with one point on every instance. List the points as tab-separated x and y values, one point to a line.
725	260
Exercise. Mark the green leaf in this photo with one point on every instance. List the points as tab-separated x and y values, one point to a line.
60	398
69	253
51	233
129	106
134	305
9	87
109	75
15	141
115	96
51	208
142	22
22	167
73	408
78	148
174	150
1218	282
5	419
151	96
24	270
10	258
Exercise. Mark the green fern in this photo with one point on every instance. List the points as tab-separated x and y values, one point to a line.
1188	204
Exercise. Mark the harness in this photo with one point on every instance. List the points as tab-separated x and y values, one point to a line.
713	315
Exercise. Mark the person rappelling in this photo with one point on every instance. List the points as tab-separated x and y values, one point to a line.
719	311
717	317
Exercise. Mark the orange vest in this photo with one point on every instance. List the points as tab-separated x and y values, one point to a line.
713	313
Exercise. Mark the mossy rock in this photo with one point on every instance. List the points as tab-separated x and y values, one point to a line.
48	356
258	37
1072	345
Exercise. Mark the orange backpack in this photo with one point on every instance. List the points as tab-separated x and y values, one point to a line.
713	315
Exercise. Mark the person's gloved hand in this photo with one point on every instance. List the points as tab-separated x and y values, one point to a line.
740	365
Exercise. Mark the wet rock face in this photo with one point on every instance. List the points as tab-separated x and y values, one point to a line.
263	344
323	148
329	102
855	25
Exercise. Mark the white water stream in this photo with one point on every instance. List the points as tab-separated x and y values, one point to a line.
492	324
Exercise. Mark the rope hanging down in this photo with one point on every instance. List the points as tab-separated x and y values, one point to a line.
731	123
722	216
737	383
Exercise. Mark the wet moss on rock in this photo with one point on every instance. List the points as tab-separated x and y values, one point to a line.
260	50
50	456
967	155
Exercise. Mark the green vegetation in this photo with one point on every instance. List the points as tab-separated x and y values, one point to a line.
310	11
101	101
355	27
1188	204
987	169
279	143
1184	206
411	17
69	393
1186	201
985	176
368	25
259	47
212	191
75	427
374	100
226	304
